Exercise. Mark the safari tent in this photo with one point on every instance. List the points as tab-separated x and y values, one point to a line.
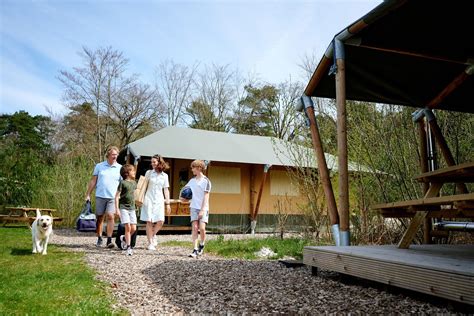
249	174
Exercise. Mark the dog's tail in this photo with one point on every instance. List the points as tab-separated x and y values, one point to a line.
38	213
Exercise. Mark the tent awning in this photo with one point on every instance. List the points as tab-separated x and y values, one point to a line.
406	53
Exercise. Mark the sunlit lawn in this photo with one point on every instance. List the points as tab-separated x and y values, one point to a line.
59	283
246	248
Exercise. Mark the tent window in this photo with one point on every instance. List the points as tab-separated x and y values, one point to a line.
225	179
280	184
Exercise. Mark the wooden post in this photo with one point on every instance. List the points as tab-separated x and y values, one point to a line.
207	163
252	190
453	85
342	143
443	145
424	168
322	167
418	219
259	198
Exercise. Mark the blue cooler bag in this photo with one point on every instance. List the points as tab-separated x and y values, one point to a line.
86	222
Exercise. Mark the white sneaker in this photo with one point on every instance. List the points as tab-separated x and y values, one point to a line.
129	251
154	241
151	247
123	244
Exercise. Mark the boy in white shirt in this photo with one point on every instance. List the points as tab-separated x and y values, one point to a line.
199	207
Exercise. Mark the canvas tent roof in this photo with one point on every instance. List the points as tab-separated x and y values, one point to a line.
188	143
406	53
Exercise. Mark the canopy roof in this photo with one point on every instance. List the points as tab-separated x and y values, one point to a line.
188	143
408	53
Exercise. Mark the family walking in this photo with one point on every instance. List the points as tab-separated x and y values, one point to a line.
115	185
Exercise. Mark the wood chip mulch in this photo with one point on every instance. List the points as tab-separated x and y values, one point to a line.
167	281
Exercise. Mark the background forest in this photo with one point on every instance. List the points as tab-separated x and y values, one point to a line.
48	160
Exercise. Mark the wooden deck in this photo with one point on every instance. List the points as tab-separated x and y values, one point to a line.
445	271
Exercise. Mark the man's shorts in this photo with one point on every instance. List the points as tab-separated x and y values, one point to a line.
103	205
128	216
195	215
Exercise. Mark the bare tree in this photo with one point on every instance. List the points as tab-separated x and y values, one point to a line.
174	83
95	83
308	65
284	119
216	90
135	112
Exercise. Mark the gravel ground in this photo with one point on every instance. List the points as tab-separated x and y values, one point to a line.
167	281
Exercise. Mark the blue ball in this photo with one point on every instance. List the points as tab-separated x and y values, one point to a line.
187	193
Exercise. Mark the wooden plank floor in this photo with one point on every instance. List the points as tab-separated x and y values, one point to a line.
441	270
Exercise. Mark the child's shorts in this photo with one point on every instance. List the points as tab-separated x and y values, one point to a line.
128	216
195	215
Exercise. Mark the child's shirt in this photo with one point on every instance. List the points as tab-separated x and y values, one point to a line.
127	200
199	187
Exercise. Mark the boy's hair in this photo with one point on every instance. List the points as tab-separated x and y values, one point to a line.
198	164
125	171
162	164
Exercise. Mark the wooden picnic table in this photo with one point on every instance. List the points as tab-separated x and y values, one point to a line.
26	214
432	205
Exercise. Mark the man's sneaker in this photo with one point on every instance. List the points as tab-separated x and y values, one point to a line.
110	245
201	249
99	242
129	251
194	254
151	247
123	243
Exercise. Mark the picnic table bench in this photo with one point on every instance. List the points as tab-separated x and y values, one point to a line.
432	205
26	214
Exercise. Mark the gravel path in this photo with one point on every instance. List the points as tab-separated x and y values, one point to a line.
167	281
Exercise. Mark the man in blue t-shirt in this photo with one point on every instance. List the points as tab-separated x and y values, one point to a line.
105	180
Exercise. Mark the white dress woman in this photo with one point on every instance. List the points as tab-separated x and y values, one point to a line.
156	197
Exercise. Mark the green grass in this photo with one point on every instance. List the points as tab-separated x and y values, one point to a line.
59	283
246	248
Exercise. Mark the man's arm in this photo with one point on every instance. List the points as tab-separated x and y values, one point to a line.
91	187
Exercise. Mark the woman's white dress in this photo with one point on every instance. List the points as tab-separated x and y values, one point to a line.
153	208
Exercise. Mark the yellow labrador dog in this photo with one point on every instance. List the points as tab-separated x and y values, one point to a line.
41	230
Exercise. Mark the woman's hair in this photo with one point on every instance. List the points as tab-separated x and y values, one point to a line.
162	164
125	171
109	150
198	164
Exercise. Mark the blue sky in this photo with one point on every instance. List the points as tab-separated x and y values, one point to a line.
268	38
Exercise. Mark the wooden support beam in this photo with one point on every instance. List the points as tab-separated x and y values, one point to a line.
401	52
322	167
342	145
319	73
453	85
443	145
253	192
418	219
424	168
259	198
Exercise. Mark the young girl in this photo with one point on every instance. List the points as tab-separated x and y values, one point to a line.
125	203
156	197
